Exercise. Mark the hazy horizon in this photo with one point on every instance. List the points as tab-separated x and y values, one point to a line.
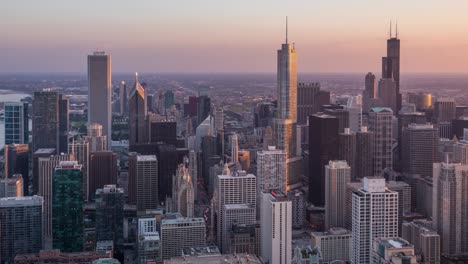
241	36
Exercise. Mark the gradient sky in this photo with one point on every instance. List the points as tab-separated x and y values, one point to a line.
231	36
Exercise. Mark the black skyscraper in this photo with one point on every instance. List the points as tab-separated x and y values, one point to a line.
323	147
204	108
391	63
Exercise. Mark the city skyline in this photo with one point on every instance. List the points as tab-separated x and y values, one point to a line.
231	32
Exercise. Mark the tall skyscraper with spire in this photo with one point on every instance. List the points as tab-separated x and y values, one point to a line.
287	80
100	92
137	113
391	63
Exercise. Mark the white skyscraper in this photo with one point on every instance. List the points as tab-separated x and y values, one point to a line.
337	175
271	170
100	92
235	189
234	148
374	214
276	228
449	207
380	122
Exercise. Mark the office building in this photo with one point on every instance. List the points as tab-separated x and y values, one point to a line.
363	165
374	214
391	64
422	101
149	241
309	100
123	98
337	176
263	114
110	202
347	149
100	92
459	126
163	131
137	109
323	147
342	115
102	171
182	200
387	94
16	123
40	153
80	151
426	241
380	122
334	244
192	106
203	108
287	81
180	233
219	119
271	170
450	219
236	214
276	228
143	181
211	258
17	162
370	88
236	189
242	238
67	207
168	100
234	148
64	123
45	120
20	226
393	250
298	201
97	141
419	149
11	187
444	109
46	167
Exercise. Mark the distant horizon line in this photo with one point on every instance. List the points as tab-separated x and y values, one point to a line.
229	72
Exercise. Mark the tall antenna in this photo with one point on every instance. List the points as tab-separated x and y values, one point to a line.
286	29
390	33
397	29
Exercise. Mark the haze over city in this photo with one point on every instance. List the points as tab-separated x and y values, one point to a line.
230	36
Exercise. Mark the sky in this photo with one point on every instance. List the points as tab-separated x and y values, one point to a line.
231	36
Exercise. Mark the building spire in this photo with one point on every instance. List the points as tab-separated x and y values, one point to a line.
286	29
396	29
136	77
390	32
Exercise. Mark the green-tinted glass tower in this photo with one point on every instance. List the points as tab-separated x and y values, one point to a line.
67	207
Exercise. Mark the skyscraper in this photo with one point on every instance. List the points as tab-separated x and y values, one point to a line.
449	203
374	214
123	97
180	233
284	136
287	80
16	123
337	175
64	124
17	162
203	108
97	141
110	202
67	207
182	199
271	170
370	89
380	122
365	149
234	148
238	189
387	94
391	64
20	226
323	147
143	181
45	120
40	153
419	149
276	228
309	100
102	171
347	149
100	92
444	109
137	114
80	150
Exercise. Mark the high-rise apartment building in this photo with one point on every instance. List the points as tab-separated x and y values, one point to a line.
337	176
143	181
380	122
323	147
17	162
426	241
363	165
149	241
40	153
444	109
449	216
276	228
419	149
271	170
284	136
374	215
100	92
67	207
334	244
102	171
287	81
137	109
391	65
123	97
46	168
20	226
97	141
180	233
110	202
16	123
45	120
236	189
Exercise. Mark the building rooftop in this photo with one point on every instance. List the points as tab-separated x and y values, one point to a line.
396	242
182	220
21	201
201	251
381	109
237	206
334	231
227	258
49	151
146	158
